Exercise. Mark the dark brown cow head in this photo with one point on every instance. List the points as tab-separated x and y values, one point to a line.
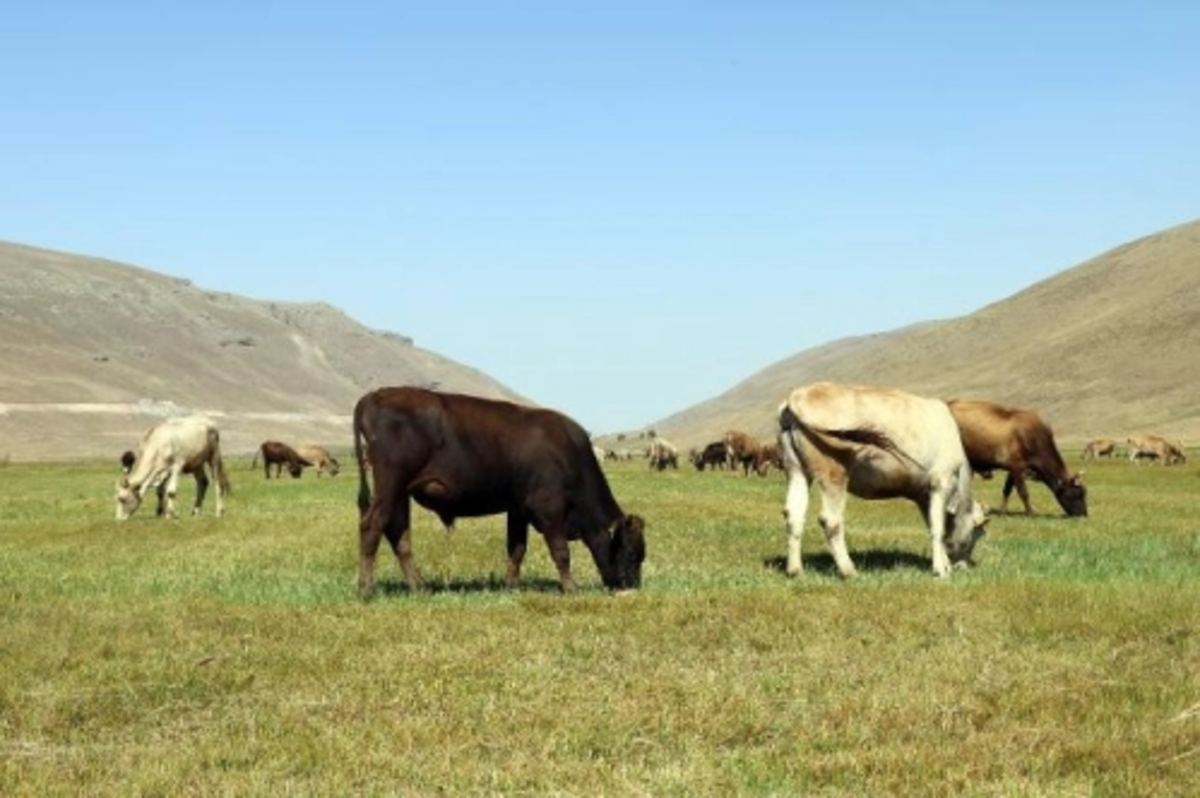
628	551
1072	495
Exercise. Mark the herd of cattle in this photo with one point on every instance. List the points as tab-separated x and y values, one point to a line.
463	456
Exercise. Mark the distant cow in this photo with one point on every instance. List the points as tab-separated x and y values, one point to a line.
769	455
1155	448
711	456
279	454
176	446
876	443
741	450
462	456
662	453
1017	441
1100	447
320	457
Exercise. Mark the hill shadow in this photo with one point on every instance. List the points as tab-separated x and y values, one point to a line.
865	560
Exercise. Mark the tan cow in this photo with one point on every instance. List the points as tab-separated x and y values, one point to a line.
876	443
1155	448
176	446
1100	447
742	450
662	453
320	457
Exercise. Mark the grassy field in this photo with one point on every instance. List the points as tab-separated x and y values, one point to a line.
233	656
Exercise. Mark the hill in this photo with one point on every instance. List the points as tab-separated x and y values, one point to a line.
1109	347
94	352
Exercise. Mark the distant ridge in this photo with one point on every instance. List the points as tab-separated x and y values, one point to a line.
95	351
1108	347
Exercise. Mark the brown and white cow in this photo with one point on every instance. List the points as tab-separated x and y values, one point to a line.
176	446
1017	441
279	454
462	456
1155	448
1099	447
320	457
876	443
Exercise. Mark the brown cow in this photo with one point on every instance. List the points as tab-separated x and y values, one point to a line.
769	455
1017	441
321	458
741	450
462	456
1100	447
1155	448
278	454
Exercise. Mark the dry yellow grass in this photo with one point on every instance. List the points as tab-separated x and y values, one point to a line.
232	656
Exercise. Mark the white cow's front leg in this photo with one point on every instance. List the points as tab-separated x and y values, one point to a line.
795	508
173	489
937	532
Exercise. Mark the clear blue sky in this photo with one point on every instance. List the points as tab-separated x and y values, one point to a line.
618	209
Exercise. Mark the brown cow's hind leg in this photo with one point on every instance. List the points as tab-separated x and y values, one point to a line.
518	542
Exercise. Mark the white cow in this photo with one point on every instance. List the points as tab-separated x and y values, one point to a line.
876	443
176	446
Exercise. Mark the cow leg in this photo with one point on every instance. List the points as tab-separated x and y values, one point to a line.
172	489
1017	480
398	530
560	552
160	492
518	542
794	509
935	517
201	489
832	518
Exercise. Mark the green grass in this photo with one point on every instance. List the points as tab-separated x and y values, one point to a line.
233	656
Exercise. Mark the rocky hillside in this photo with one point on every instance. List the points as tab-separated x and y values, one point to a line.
1109	347
94	352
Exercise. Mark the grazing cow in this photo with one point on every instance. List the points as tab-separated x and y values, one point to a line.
1017	441
741	450
321	458
662	453
1100	447
176	446
278	454
1155	448
463	456
711	456
769	454
876	443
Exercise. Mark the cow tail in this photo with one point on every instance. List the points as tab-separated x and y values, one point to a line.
364	490
254	460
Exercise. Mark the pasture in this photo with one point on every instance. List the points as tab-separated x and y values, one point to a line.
233	656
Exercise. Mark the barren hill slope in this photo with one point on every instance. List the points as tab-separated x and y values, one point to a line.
93	352
1109	347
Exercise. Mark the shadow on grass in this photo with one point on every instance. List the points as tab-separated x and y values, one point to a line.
865	561
492	583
